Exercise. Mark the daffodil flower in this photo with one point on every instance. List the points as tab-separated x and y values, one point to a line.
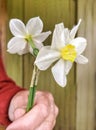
26	38
65	49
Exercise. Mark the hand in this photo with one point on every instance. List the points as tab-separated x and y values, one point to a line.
41	117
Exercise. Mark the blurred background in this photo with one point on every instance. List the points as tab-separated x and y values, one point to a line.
77	101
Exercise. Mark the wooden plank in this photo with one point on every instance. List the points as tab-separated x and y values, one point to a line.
2	127
86	74
52	12
14	63
3	26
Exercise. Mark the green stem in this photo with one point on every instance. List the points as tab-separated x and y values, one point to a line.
35	50
31	98
34	79
32	89
31	42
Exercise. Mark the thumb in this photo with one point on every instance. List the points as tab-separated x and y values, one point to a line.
19	112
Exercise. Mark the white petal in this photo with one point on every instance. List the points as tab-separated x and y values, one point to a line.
74	30
58	39
38	44
17	28
30	49
58	71
80	44
67	37
81	59
34	26
68	66
46	57
17	45
42	36
24	51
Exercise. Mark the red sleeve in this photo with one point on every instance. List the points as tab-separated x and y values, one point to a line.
7	90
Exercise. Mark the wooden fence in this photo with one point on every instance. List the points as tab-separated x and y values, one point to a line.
76	102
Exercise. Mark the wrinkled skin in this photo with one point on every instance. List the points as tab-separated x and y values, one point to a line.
41	117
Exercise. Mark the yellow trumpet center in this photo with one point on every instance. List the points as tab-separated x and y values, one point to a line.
28	37
68	52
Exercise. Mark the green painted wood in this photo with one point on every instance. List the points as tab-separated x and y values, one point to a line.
86	74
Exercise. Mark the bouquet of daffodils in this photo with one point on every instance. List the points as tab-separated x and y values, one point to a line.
64	50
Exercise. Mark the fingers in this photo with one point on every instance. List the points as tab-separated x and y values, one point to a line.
19	112
35	117
41	117
50	121
17	105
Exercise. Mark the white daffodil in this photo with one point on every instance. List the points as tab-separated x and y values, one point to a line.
65	49
28	37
